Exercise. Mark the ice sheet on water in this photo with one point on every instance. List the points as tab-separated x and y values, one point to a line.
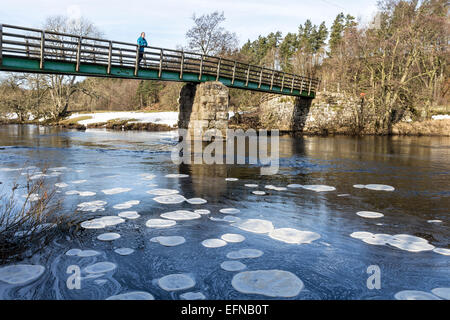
213	243
294	186
232	237
176	175
124	251
126	205
251	185
230	219
229	210
169	241
294	236
319	188
162	192
192	296
245	254
116	190
272	283
78	181
129	215
100	267
196	201
231	179
415	295
160	223
232	266
258	193
82	253
61	185
443	251
401	241
170	199
174	282
370	214
202	211
92	206
256	226
434	221
102	222
133	295
443	293
108	236
20	274
181	215
377	187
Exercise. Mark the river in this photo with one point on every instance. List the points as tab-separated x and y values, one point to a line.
334	266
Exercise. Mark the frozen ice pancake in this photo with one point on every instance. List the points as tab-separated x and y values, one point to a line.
256	226
379	187
20	274
361	235
196	201
160	223
294	236
116	190
294	186
245	254
103	222
169	241
86	193
231	179
434	221
181	215
126	205
124	251
176	175
170	199
229	210
258	193
213	243
272	283
92	206
109	236
202	211
415	295
174	282
370	214
162	192
100	267
251	185
232	237
443	293
129	215
318	187
133	295
359	186
73	252
82	253
61	185
226	219
192	296
232	266
443	251
78	181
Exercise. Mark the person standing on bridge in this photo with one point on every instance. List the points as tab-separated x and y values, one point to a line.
142	43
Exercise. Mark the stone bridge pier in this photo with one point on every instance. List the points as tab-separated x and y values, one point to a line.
203	107
286	113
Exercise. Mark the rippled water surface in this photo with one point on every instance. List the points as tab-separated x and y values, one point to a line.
333	266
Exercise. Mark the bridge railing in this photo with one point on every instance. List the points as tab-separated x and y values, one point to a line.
44	45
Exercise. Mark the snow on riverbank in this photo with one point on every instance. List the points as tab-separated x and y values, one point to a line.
167	118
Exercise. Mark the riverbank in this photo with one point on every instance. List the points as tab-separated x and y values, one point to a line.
167	121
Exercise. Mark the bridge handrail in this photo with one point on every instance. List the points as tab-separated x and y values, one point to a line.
114	53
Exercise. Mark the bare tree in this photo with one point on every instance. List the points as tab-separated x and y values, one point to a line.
61	87
208	37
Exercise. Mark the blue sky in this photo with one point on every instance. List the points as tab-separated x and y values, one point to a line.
166	21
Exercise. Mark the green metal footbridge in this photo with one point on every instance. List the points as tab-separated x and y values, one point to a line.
33	50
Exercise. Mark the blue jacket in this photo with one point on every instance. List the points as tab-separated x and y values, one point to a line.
142	43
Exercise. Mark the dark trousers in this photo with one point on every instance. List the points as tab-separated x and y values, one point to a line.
141	55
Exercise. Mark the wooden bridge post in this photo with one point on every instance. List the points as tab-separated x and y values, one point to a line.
282	82
161	54
136	66
1	44
218	69
41	63
248	75
182	64
234	73
309	89
260	78
109	57
77	68
271	80
201	69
